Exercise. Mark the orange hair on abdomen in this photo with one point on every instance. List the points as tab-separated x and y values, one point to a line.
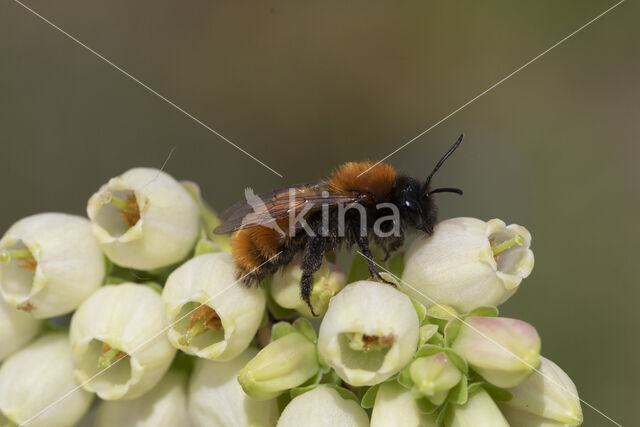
377	182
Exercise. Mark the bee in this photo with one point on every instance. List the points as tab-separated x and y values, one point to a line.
359	203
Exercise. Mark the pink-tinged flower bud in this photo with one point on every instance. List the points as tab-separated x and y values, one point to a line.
548	397
504	351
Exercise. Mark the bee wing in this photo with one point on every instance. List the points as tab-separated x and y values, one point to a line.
266	208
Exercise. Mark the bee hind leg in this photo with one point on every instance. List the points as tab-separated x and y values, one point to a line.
311	261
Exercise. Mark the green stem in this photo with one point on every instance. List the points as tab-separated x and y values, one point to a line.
6	256
192	332
106	359
499	248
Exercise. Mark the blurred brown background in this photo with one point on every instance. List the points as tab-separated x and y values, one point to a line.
304	86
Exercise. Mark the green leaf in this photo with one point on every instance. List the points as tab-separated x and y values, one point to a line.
451	331
444	413
487	311
396	264
421	311
458	394
425	406
306	329
426	332
358	270
369	397
281	329
436	339
442	311
457	361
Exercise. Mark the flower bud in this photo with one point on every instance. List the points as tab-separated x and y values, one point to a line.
216	398
395	406
504	351
480	410
433	377
547	397
37	387
144	219
163	406
119	336
49	264
285	287
320	407
285	363
369	332
16	329
468	263
211	314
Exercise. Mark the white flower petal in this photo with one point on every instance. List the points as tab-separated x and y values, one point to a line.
479	411
17	328
70	265
395	406
164	406
127	317
376	310
323	406
36	377
168	222
217	400
210	279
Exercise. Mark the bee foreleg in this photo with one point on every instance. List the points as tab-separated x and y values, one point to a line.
311	261
363	243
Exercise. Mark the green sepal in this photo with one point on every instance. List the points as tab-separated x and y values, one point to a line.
474	387
277	310
486	311
324	366
442	311
428	350
459	393
388	277
49	326
396	264
281	329
404	377
331	377
444	412
498	394
436	339
205	246
451	331
426	333
315	379
425	406
421	311
369	397
303	326
457	361
343	392
108	268
114	280
208	217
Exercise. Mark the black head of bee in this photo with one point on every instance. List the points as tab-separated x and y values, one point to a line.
416	202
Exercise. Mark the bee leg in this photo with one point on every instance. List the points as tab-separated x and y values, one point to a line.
363	243
311	261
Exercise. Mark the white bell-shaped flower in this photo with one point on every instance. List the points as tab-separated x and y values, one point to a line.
479	411
547	397
17	328
369	332
49	264
395	406
468	263
212	314
216	399
285	287
164	406
37	387
144	219
119	341
323	406
504	351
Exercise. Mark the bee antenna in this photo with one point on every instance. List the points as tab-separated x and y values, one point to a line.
445	190
441	161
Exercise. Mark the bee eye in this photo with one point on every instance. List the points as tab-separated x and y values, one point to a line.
411	205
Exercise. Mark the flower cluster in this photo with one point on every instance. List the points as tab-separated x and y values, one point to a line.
139	304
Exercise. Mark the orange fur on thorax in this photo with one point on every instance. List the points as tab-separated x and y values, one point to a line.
376	183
